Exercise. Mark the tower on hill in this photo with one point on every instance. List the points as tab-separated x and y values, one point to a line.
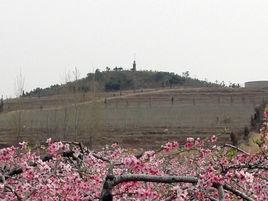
134	66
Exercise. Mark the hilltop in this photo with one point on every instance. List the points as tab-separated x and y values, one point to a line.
119	79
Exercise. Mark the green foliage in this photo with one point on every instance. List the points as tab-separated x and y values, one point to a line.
119	79
259	142
1	105
52	90
231	153
112	86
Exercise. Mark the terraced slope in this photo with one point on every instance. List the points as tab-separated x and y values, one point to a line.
144	119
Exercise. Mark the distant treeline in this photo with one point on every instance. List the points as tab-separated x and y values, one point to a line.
119	79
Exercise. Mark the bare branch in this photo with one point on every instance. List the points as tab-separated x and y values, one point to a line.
13	172
264	178
221	193
237	148
237	192
111	181
153	178
246	166
212	198
10	189
19	170
101	158
30	194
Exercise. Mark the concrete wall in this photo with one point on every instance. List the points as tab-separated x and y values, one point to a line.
257	84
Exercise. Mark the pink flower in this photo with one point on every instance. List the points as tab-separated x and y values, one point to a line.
190	139
23	145
71	179
213	139
48	141
266	114
189	143
240	175
170	146
249	177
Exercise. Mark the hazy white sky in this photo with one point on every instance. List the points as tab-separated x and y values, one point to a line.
214	39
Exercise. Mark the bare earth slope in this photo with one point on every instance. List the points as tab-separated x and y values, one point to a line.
143	119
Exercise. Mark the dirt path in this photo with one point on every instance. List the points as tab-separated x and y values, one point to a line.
99	100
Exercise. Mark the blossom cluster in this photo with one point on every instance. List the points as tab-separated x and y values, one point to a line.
62	171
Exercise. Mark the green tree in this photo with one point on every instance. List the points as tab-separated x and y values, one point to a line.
1	104
186	74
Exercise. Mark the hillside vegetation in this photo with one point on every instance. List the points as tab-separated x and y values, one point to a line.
118	79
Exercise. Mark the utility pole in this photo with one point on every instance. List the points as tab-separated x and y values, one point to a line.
134	68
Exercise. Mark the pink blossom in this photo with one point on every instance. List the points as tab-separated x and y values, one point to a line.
213	139
23	144
170	146
266	114
48	140
64	178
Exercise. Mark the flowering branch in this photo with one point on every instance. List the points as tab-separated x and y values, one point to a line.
18	170
73	172
10	189
112	181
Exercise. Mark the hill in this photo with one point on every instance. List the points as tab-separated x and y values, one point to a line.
134	108
118	80
141	119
